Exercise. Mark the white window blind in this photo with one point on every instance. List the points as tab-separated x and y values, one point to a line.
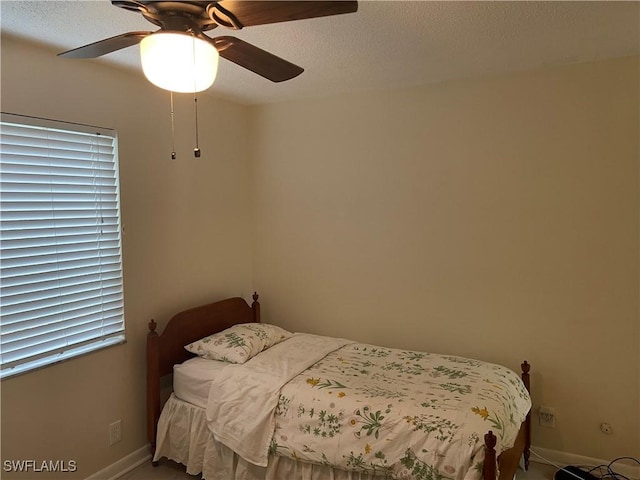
61	271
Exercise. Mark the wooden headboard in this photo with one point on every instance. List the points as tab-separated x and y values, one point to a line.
167	349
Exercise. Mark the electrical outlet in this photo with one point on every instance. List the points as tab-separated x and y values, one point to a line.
115	432
547	417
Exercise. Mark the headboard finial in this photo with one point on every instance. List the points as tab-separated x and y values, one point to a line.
152	326
255	306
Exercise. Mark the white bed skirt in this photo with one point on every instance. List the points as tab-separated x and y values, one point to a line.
183	436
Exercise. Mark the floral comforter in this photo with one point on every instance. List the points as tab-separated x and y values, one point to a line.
396	413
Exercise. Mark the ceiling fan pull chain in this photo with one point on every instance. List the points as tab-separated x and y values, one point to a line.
196	151
173	131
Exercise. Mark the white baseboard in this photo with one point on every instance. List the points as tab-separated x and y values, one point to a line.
562	459
124	465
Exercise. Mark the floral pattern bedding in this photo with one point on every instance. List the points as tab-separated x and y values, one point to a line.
396	413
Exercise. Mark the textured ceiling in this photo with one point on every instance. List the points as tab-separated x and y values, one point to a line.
385	45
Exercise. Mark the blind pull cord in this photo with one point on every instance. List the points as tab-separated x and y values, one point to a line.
99	184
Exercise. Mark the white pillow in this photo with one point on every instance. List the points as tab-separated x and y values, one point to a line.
238	343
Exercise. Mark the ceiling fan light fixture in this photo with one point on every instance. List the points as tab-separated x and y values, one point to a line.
179	62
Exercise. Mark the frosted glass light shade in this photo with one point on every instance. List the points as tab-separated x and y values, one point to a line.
178	61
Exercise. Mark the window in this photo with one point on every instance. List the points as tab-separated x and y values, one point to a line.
61	269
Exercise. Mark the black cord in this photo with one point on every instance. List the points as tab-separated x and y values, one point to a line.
618	476
609	472
599	468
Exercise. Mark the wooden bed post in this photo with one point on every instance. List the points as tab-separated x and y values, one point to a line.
153	385
527	446
504	466
489	465
255	306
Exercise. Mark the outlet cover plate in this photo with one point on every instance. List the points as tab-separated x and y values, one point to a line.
115	432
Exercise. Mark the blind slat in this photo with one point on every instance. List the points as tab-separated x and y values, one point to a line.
41	275
12	229
111	310
58	355
35	161
54	316
41	234
87	281
59	294
61	334
42	256
20	275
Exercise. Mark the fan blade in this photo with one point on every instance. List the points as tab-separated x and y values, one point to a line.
131	5
255	59
105	46
261	12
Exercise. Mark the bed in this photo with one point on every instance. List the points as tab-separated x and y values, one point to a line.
218	411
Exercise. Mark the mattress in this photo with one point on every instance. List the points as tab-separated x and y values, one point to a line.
192	379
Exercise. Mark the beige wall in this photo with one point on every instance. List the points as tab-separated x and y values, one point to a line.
495	218
431	218
186	242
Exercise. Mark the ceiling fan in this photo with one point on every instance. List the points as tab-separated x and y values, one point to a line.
190	19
